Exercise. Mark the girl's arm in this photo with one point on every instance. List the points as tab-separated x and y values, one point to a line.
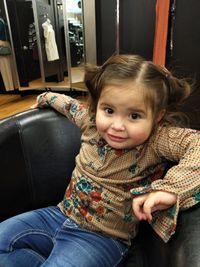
68	106
182	180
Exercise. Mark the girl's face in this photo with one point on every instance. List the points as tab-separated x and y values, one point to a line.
122	119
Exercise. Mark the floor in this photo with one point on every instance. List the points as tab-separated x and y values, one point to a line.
77	74
12	104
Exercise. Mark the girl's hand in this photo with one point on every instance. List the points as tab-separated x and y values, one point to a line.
144	205
34	106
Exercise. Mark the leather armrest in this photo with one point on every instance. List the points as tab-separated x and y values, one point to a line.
182	250
38	149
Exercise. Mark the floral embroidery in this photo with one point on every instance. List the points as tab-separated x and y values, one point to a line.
140	191
48	102
83	200
102	147
152	173
93	118
100	210
128	217
197	197
133	168
119	152
73	108
69	189
52	100
96	196
171	212
76	109
84	186
93	142
127	187
102	151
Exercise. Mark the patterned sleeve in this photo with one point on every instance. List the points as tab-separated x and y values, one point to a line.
71	108
183	179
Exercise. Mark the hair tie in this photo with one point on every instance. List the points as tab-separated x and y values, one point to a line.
167	75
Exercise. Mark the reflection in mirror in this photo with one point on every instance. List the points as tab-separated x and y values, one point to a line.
76	44
48	17
25	48
74	29
8	75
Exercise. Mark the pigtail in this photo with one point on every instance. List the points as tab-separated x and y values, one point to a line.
179	90
91	80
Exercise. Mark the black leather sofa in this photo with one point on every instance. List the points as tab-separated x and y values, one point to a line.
37	151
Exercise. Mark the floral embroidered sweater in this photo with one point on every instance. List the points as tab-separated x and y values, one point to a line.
105	180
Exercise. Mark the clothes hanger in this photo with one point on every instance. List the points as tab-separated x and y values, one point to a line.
46	17
48	20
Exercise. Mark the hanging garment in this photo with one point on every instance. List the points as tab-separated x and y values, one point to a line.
8	74
7	68
32	38
2	30
161	31
4	41
32	41
50	41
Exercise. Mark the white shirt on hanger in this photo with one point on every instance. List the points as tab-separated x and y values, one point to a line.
50	41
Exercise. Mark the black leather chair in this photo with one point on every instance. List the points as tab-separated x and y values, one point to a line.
37	151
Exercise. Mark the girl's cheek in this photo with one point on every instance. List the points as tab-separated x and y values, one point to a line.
99	125
140	137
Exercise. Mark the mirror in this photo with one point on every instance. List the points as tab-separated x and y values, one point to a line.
8	77
67	21
50	35
74	32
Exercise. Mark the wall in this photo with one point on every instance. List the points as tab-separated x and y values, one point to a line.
136	34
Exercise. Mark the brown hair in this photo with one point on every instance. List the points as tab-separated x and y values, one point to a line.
162	90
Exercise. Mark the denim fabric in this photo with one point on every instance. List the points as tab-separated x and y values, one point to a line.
47	238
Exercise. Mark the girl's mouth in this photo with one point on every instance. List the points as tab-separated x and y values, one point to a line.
116	138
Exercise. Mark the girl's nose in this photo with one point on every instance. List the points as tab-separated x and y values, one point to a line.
118	125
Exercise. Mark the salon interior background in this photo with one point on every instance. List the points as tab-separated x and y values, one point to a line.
89	31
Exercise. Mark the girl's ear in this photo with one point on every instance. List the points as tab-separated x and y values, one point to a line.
160	115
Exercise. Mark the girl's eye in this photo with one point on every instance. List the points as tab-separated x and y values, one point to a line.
109	110
135	116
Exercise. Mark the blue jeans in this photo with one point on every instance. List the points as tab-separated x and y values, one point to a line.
47	238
